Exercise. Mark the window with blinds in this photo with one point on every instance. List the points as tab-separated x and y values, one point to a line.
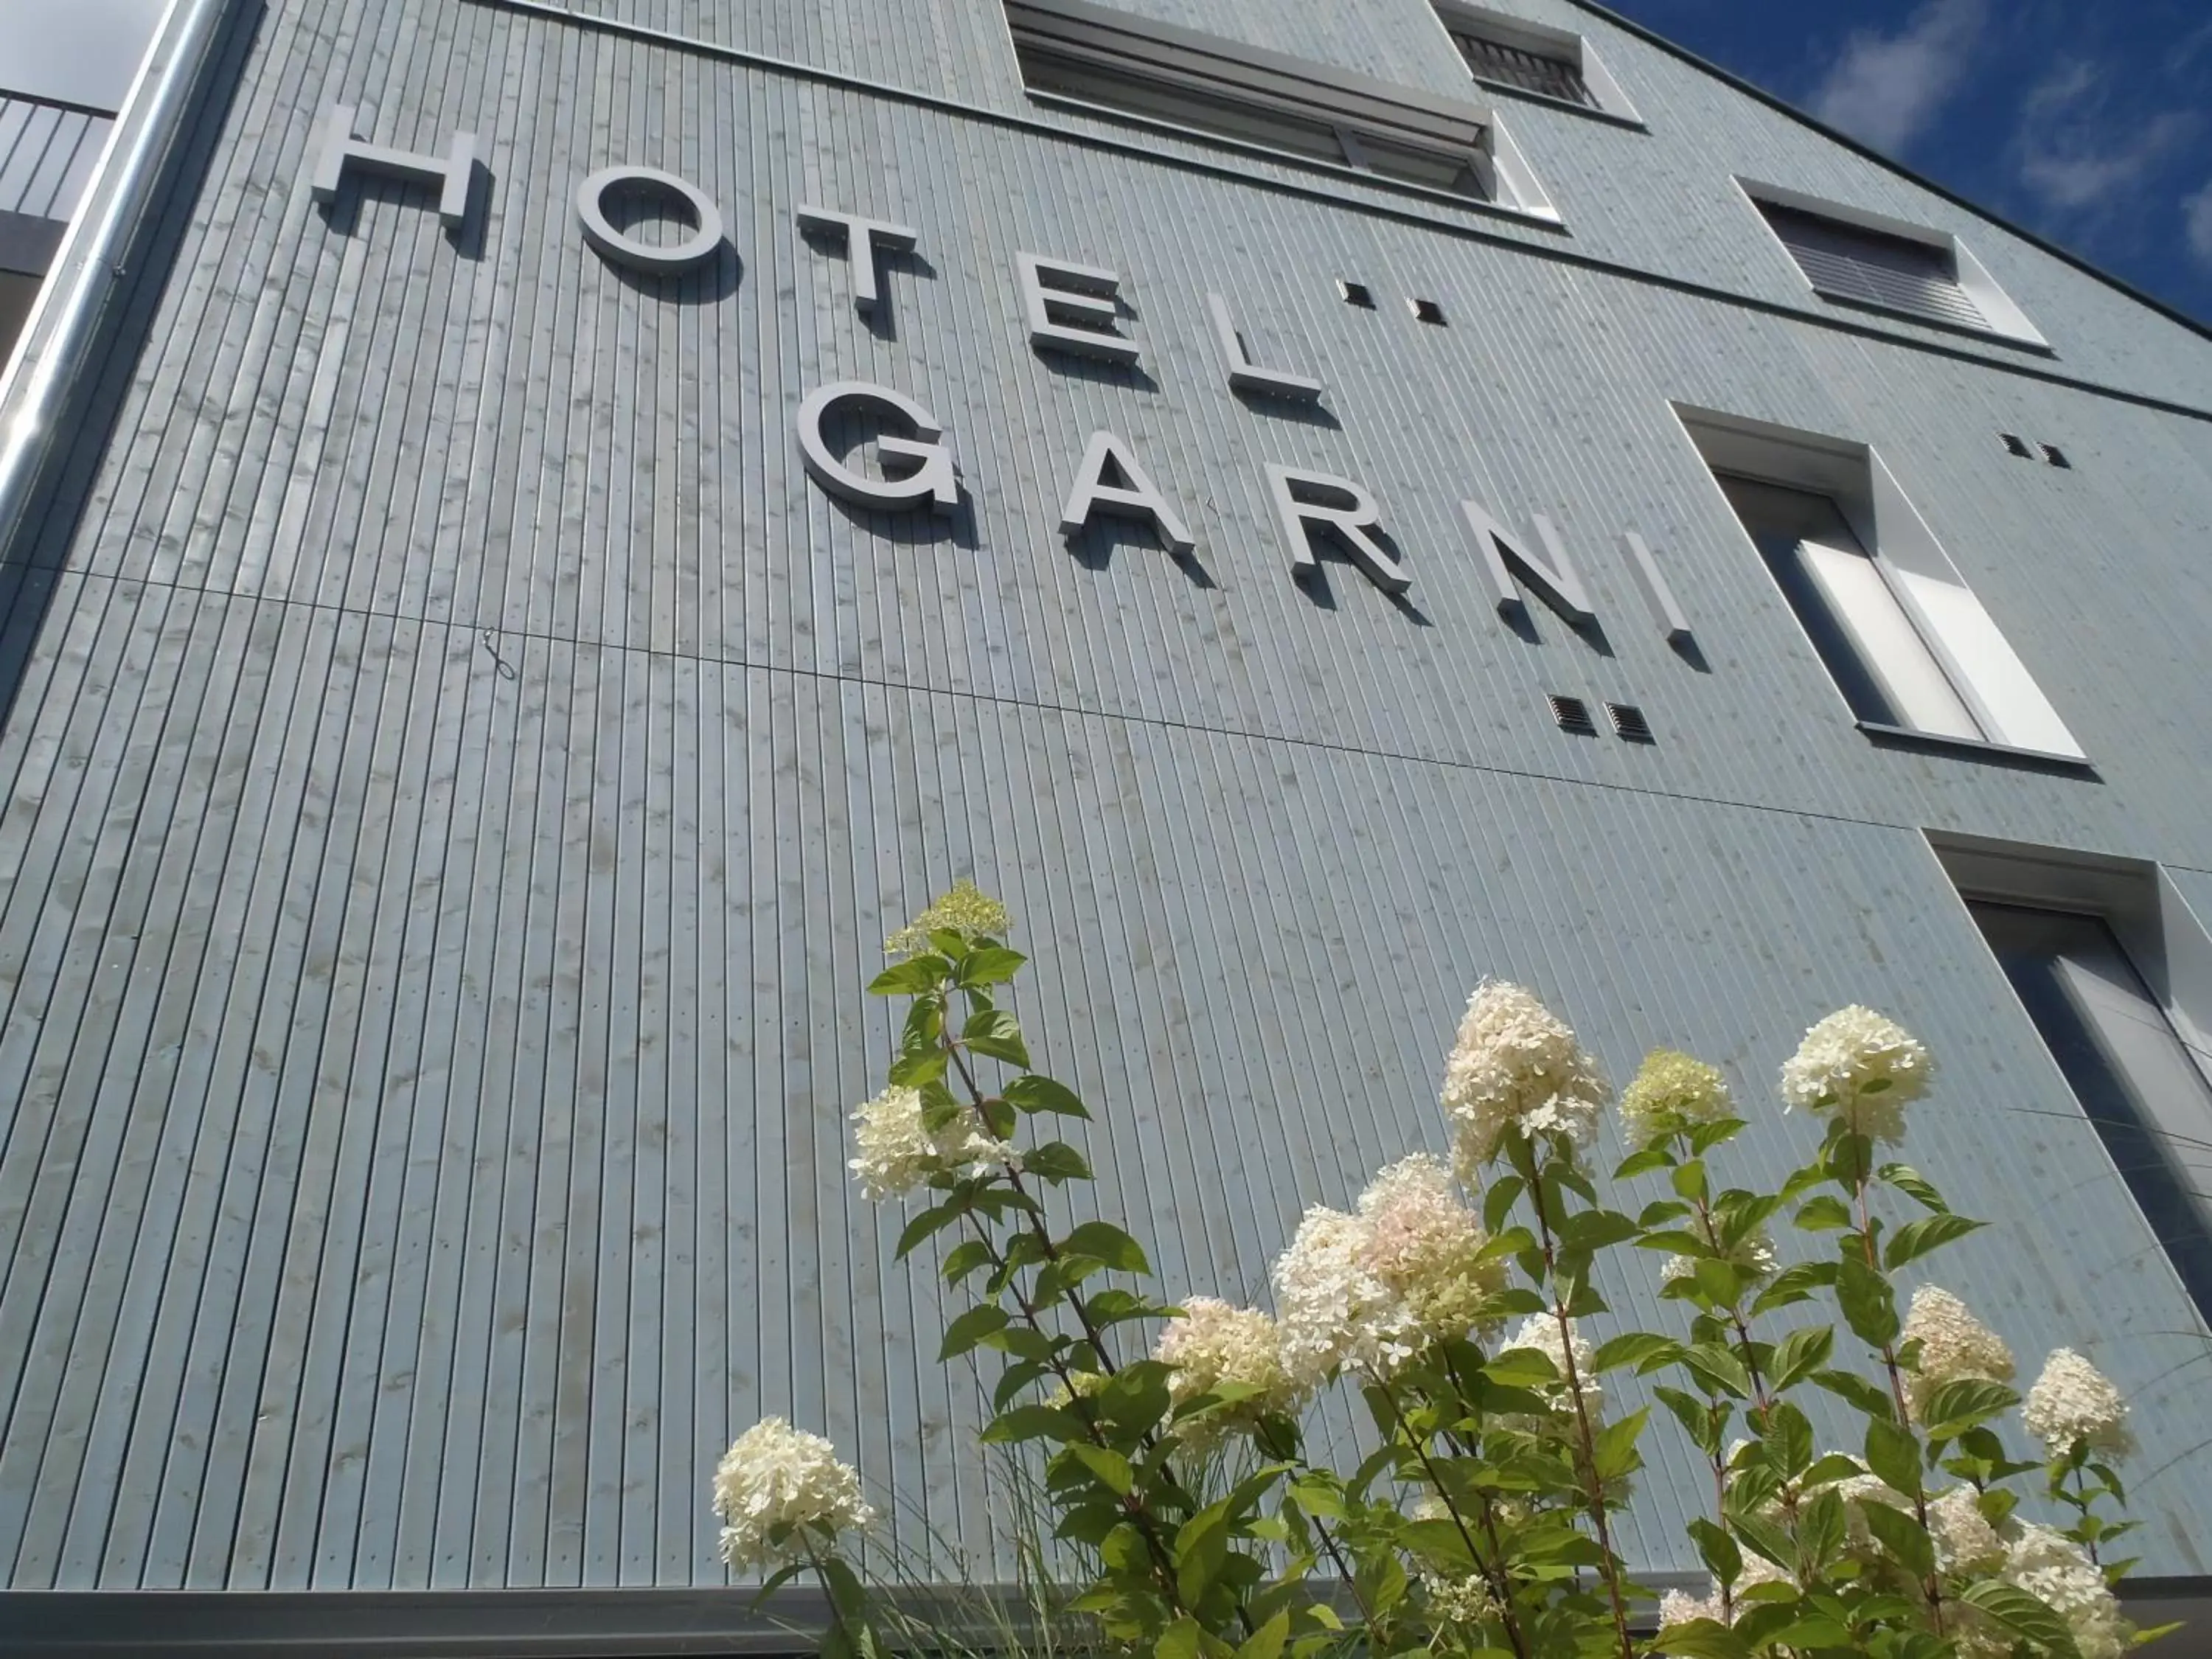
1545	73
1120	65
1871	267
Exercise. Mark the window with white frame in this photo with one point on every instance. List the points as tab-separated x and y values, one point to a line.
1860	258
1112	63
1511	54
1911	647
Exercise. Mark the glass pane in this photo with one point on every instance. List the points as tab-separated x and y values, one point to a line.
2134	1077
1166	100
1879	660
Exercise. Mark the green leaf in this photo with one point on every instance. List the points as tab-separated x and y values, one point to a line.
1689	1179
1613	1451
1917	1238
1702	1638
1823	1214
1641	1349
910	977
1800	1353
1953	1407
1181	1640
997	1033
1714	1365
988	964
1869	1306
1029	1423
1033	1094
1789	1440
2014	1607
1103	1241
1719	1551
918	1067
1521	1368
1055	1161
1914	1185
1893	1454
1902	1536
929	1221
971	1329
964	1258
1267	1642
1112	1468
1868	1396
1498	1201
1821	1527
1794	1285
1641	1162
1763	1536
1696	1417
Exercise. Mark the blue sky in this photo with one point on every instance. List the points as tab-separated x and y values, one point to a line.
2090	124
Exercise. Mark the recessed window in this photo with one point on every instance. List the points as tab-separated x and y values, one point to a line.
1510	54
1910	646
2111	966
1858	259
1134	69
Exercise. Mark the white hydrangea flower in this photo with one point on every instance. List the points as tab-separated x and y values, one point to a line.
898	1152
1210	1343
2073	1402
1671	1093
1859	1491
1331	1309
1680	1607
1458	1601
2055	1569
1861	1066
1541	1331
775	1478
1965	1541
1424	1245
1757	1571
1954	1345
1516	1065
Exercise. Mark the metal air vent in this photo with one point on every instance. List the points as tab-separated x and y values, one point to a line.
2056	456
1629	723
1427	310
2016	445
1573	714
1355	294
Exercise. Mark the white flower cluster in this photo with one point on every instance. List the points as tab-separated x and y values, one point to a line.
1458	1601
1516	1066
1860	1067
1680	1607
1963	1539
1672	1092
775	1479
1330	1308
2057	1571
2074	1403
1425	1246
964	908
1210	1344
1541	1331
898	1152
1954	1346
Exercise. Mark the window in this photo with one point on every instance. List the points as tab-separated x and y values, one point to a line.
1859	258
1511	54
2107	960
1911	649
1112	62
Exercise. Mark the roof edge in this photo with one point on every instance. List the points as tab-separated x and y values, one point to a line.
1652	37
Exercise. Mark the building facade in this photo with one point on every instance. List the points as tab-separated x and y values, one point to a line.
536	533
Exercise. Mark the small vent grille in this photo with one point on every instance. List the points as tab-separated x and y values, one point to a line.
2016	445
1850	262
1573	714
1528	72
1629	722
1356	293
2056	456
1427	310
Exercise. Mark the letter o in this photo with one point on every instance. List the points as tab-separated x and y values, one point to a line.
626	250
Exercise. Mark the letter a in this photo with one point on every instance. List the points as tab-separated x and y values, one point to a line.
1135	497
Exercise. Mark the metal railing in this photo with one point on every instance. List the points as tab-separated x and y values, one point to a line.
48	150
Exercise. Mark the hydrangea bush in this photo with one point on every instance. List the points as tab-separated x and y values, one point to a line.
1458	1302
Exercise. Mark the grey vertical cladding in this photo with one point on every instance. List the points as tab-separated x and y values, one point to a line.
463	770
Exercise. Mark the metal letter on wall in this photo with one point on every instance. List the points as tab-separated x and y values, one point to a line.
624	249
1136	497
862	238
1304	499
933	479
1657	594
1245	375
455	176
1556	581
1079	291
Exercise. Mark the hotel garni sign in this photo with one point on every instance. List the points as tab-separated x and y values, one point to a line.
1070	310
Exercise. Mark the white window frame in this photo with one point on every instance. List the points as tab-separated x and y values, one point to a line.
1903	551
1613	103
1352	104
2006	320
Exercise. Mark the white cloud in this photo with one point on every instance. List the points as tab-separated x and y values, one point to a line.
2196	223
2075	153
1887	90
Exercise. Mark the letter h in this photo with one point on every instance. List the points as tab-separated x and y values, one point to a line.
455	176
